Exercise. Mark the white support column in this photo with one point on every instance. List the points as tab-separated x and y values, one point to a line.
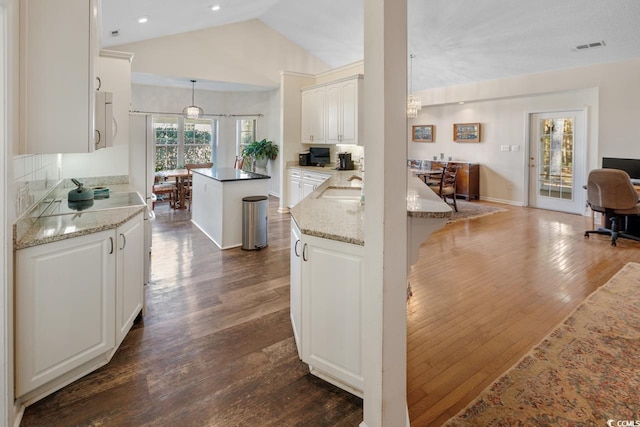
384	303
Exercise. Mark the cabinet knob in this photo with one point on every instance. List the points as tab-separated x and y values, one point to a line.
111	241
304	252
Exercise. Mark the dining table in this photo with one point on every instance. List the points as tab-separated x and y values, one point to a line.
181	176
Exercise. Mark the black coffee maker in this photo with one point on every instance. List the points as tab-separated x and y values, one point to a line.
344	161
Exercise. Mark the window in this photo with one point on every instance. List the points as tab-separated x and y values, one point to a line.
180	141
246	133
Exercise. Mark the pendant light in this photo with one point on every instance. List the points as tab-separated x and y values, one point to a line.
193	111
414	103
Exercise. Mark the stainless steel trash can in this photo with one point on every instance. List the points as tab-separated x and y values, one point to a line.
254	222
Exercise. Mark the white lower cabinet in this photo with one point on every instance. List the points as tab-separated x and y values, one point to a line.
296	283
331	288
130	275
67	299
303	183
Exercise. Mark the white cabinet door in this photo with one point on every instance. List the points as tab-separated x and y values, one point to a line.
331	314
65	307
313	116
350	118
59	49
334	113
295	187
115	77
295	290
308	187
129	272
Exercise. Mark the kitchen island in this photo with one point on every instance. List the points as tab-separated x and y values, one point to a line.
217	195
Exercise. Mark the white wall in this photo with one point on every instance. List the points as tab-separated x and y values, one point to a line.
609	91
504	122
246	52
173	100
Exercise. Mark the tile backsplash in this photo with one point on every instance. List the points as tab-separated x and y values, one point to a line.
34	175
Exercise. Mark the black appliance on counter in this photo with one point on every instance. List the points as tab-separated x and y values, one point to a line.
344	162
304	158
319	156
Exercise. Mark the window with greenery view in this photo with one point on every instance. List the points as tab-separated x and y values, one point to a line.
180	141
245	134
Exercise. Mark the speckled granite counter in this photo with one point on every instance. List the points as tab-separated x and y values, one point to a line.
343	220
37	230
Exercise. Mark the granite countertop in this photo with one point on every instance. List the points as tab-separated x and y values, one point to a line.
229	174
343	220
37	230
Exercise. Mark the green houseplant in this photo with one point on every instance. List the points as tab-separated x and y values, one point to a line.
260	151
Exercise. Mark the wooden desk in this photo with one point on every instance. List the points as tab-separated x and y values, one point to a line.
181	176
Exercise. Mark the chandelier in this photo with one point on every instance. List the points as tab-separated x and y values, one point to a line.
193	111
414	103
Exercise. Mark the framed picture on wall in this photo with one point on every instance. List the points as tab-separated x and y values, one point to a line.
466	132
423	133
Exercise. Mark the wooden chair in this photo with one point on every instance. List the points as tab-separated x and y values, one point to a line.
239	162
164	191
447	185
188	195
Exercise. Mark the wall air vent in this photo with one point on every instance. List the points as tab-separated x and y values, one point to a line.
590	46
115	33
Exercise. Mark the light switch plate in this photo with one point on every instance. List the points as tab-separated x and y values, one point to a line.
515	148
505	148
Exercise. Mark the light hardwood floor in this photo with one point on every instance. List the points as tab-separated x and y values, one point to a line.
216	346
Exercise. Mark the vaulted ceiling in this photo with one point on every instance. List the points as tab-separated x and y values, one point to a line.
455	41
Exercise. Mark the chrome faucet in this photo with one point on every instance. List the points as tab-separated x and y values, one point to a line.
352	177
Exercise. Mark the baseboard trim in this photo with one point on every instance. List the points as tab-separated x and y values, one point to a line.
503	201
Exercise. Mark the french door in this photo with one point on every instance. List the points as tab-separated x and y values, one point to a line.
557	144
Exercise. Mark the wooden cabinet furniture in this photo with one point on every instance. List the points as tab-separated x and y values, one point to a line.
467	181
302	183
59	47
331	112
326	294
75	300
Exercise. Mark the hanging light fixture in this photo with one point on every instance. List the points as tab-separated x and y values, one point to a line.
193	111
414	103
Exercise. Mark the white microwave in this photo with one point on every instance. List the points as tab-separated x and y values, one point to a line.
104	122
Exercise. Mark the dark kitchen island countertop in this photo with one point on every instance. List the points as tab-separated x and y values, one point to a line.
229	174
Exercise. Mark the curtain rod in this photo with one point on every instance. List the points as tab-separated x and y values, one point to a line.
204	115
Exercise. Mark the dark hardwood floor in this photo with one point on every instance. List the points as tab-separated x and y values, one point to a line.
216	346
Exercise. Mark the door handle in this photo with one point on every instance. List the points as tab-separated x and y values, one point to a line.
304	252
124	241
111	241
295	248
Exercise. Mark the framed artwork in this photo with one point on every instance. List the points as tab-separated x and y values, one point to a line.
423	133
466	132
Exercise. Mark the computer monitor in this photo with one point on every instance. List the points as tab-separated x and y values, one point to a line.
630	166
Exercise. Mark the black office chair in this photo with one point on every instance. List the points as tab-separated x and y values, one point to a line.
610	192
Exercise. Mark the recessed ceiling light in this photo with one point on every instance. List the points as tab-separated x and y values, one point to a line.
143	19
215	7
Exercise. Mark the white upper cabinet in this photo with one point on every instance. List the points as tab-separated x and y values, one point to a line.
337	118
59	47
115	77
313	116
343	119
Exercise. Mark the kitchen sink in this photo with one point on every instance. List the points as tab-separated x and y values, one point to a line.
341	193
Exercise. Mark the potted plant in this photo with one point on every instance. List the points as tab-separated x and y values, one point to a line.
260	151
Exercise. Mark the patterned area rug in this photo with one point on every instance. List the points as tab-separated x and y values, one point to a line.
468	210
585	373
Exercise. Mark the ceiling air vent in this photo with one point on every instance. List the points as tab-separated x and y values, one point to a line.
115	33
589	45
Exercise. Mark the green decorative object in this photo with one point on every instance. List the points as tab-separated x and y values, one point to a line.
260	150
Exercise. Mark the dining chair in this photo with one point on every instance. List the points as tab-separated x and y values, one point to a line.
188	194
164	191
446	188
239	162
